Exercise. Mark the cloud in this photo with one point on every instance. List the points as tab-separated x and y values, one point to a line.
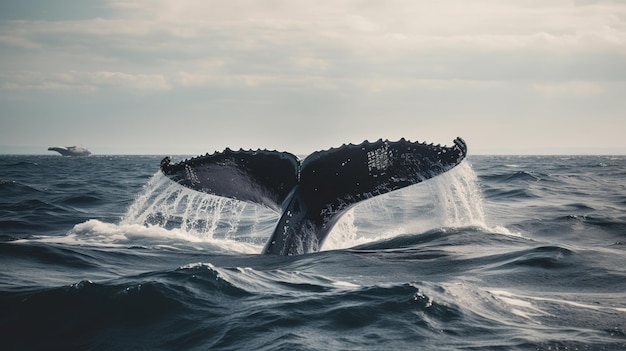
83	81
570	89
128	81
267	42
286	69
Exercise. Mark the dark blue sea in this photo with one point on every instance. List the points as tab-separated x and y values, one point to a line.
501	253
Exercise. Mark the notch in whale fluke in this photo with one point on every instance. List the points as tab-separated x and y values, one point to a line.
311	195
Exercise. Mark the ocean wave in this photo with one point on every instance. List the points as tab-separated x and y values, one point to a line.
81	200
20	164
528	260
517	176
15	188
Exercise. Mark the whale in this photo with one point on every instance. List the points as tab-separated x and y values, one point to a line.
312	194
70	150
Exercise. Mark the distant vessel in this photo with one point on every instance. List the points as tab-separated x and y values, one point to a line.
70	150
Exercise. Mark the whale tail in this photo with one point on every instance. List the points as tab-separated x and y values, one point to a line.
312	194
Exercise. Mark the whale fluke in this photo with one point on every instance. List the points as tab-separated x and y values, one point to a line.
70	150
311	195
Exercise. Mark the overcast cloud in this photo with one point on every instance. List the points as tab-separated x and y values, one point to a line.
191	76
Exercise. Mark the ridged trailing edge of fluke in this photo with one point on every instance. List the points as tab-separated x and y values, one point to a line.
312	194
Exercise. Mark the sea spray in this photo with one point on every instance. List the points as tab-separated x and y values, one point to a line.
458	201
166	204
344	234
452	199
457	197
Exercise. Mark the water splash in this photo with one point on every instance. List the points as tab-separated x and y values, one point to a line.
457	197
450	200
344	234
168	205
459	202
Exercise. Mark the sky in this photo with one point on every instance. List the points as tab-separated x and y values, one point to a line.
196	76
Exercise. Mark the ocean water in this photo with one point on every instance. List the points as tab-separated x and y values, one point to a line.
501	253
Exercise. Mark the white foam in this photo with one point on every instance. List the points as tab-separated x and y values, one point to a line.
519	305
345	285
524	302
97	233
